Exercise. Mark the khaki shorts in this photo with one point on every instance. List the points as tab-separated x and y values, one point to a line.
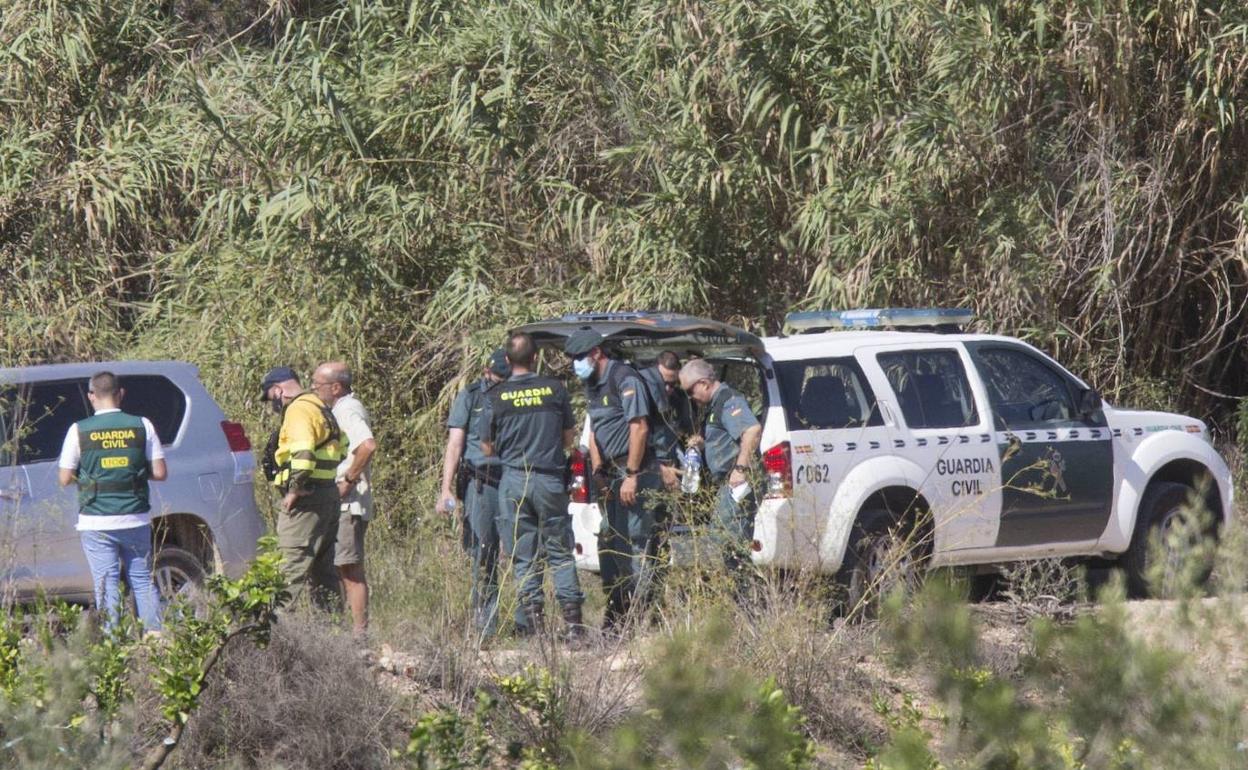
350	547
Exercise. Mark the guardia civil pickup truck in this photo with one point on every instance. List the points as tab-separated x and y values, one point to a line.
893	427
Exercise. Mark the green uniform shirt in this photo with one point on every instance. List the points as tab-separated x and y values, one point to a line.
525	420
611	409
672	418
727	418
466	412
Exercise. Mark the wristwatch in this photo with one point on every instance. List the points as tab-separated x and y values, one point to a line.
630	472
742	468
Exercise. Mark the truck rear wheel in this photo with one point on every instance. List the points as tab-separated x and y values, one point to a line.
176	572
1173	543
883	555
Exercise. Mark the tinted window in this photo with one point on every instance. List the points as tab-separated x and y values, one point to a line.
1023	389
931	388
826	393
157	399
745	378
49	409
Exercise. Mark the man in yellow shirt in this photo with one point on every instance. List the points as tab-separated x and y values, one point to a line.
309	448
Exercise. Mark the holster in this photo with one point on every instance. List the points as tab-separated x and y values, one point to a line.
482	476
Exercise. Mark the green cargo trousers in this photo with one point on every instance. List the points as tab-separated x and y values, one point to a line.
733	526
305	537
625	545
481	508
535	529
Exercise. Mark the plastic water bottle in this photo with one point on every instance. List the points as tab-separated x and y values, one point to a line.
691	481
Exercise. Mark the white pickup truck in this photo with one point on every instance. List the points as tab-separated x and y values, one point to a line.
884	427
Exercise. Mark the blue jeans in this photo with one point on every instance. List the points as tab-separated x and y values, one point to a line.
106	551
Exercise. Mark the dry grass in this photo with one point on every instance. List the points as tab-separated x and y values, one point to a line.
306	701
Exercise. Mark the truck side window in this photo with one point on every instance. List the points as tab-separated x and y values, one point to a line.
1023	390
931	388
46	410
826	393
157	399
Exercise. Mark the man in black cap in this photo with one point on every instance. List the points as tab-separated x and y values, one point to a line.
619	420
309	448
477	477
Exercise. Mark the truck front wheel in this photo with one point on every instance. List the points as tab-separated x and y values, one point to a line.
1173	544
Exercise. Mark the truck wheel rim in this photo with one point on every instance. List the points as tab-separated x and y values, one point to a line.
171	582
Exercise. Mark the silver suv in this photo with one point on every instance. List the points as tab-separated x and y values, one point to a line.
204	516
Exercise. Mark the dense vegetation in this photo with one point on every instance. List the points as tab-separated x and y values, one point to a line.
240	182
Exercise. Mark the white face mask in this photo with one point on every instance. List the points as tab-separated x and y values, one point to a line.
583	367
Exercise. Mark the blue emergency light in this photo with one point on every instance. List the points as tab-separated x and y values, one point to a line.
938	319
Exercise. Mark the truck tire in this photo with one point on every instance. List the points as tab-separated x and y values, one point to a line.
176	572
1166	507
880	557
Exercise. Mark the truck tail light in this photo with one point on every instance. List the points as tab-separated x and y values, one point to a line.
778	464
236	436
578	489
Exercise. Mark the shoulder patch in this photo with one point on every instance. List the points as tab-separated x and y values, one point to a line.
735	412
629	392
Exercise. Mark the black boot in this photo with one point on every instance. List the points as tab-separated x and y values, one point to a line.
533	616
576	633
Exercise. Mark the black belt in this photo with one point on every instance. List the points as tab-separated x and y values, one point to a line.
544	471
489	475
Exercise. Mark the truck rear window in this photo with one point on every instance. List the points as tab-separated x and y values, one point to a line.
826	393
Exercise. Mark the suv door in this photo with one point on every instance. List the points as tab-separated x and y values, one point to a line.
45	412
1057	465
833	420
17	542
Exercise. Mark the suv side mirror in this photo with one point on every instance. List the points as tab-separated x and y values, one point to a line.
1089	403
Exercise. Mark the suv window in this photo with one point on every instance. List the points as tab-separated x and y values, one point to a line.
826	393
745	378
1024	390
49	409
931	388
157	399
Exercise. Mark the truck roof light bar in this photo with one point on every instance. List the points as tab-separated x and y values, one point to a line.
944	320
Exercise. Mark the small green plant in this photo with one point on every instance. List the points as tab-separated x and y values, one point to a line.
109	663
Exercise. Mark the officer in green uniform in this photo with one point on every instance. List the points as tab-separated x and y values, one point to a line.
465	465
528	424
619	420
730	434
112	456
671	414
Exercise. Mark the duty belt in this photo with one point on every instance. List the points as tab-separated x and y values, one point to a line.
543	471
620	464
489	475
